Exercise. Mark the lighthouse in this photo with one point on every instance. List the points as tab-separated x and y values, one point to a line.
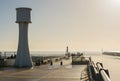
23	58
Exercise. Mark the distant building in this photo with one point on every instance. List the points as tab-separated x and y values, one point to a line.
67	52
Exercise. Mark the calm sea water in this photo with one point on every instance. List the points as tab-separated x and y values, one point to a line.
57	53
47	53
35	53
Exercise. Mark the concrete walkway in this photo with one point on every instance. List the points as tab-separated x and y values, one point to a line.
67	72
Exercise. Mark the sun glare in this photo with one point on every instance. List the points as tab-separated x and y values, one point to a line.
116	2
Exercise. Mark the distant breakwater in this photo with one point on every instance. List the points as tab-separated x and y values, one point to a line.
112	53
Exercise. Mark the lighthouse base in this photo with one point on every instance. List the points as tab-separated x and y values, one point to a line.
23	60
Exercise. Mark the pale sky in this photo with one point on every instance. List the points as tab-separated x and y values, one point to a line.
79	24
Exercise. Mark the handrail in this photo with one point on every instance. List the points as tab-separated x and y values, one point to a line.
104	75
102	72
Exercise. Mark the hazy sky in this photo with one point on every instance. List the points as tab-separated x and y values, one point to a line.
80	24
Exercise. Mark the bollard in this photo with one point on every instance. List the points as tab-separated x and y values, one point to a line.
61	63
51	63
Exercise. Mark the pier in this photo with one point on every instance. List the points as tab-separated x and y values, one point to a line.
77	67
56	72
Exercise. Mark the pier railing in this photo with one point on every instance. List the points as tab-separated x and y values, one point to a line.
104	74
97	72
7	54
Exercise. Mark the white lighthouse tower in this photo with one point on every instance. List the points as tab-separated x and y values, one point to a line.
23	58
